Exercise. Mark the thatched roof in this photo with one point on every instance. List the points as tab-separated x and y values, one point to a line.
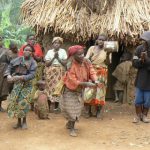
83	19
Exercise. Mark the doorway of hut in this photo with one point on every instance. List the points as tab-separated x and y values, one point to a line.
115	61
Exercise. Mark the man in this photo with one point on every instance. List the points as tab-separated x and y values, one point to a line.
141	61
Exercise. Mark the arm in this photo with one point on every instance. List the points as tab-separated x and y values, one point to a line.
31	73
137	61
107	60
20	53
38	54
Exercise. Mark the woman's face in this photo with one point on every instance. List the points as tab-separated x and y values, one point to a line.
100	41
27	52
31	40
79	56
56	44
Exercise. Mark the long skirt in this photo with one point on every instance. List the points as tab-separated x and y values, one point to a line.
71	105
53	76
19	100
4	86
100	92
38	76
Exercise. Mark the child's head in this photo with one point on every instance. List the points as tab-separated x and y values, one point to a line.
41	85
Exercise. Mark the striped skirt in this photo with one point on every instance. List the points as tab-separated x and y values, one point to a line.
71	105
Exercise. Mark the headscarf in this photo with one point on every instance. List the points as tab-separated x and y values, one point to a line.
57	38
145	36
74	49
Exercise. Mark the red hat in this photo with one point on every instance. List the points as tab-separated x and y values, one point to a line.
74	49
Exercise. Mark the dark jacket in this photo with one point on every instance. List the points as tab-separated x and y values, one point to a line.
143	75
19	67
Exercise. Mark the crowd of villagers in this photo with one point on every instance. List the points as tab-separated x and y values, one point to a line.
68	80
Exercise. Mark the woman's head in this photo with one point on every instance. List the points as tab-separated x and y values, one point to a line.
100	40
57	42
27	51
77	52
13	47
31	39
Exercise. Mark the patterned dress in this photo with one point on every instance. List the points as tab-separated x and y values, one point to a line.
98	61
54	73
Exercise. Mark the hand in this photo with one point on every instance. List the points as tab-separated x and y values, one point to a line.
9	78
89	84
56	55
17	78
143	56
96	82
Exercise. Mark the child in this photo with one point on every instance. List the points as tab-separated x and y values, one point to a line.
41	98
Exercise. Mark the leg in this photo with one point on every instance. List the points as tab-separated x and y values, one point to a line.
18	125
88	112
99	108
24	123
138	105
1	108
32	106
116	96
120	96
146	107
56	107
72	130
49	105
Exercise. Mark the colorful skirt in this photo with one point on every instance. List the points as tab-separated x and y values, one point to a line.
100	92
19	100
53	76
71	105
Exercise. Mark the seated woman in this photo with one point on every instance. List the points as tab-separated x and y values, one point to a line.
21	71
79	72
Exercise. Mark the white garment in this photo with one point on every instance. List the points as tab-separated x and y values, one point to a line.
61	54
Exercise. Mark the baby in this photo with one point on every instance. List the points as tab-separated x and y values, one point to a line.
41	98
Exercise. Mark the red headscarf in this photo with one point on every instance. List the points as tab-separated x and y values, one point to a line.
74	49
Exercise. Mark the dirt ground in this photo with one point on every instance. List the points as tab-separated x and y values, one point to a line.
115	132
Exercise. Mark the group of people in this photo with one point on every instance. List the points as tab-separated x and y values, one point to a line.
30	79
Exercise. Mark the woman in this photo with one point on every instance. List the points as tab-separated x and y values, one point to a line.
4	61
38	56
99	58
55	62
79	72
21	71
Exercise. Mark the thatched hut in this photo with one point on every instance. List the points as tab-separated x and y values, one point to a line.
81	21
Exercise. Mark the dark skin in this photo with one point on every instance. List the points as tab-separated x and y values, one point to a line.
56	46
27	53
32	41
100	45
144	53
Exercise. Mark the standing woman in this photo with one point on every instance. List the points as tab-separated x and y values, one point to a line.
79	72
4	61
21	71
38	56
99	58
55	68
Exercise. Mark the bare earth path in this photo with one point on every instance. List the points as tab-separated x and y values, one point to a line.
115	132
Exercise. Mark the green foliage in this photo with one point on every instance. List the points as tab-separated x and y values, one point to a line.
10	27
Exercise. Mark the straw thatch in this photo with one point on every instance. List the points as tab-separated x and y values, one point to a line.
80	20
